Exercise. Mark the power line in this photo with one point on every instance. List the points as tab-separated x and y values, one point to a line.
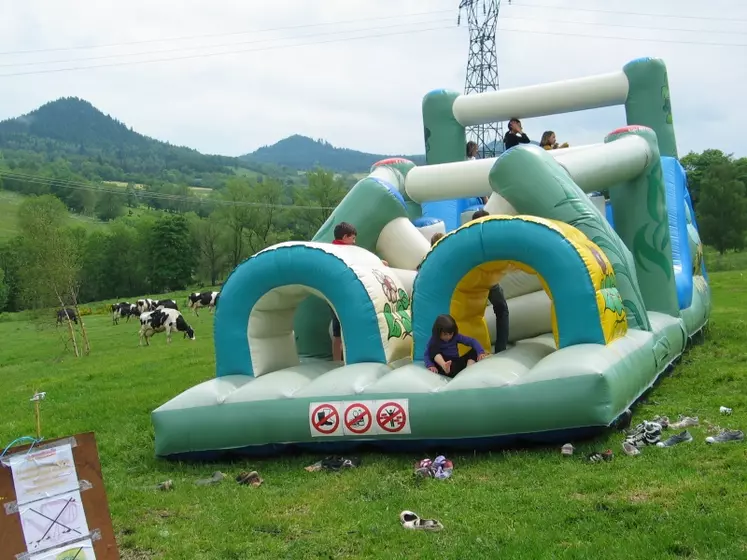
636	39
182	49
646	27
207	55
593	10
228	34
140	194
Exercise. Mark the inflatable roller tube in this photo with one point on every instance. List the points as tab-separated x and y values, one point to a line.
460	269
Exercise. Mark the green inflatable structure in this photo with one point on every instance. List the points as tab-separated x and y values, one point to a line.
604	295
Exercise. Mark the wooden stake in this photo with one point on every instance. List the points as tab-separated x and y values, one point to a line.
37	398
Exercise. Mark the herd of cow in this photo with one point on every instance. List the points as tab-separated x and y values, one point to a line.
155	315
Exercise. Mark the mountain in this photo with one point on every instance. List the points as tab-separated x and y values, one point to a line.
76	131
300	153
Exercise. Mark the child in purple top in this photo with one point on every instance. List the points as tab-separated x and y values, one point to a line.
442	353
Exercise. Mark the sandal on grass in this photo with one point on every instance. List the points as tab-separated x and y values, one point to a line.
411	520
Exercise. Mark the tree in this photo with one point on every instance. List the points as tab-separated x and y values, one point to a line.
209	235
697	165
722	212
110	205
324	192
51	258
237	214
267	198
172	257
3	291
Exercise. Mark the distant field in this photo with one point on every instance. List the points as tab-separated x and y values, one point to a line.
9	203
123	185
201	191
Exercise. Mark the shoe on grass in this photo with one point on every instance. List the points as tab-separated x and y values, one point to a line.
726	435
671	441
685	422
663	420
250	478
630	449
411	520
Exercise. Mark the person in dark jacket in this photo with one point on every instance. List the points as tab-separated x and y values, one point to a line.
515	134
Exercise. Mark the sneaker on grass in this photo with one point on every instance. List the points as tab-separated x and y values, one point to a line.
675	439
726	435
685	422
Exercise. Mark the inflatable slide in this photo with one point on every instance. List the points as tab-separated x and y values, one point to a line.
604	292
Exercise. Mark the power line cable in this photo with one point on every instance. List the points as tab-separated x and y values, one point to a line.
646	27
228	34
75	185
145	53
593	10
182	49
207	55
633	39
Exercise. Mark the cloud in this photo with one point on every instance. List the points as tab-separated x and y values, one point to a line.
363	93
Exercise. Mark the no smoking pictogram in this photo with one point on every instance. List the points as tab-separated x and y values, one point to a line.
391	417
358	418
325	419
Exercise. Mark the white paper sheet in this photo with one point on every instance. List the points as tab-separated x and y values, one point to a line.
53	521
44	473
82	550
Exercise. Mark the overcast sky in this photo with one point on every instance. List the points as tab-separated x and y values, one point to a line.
364	93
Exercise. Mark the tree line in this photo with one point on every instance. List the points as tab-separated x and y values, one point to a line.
150	251
157	245
718	188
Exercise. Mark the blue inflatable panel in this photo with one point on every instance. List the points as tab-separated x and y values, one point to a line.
689	203
675	181
445	210
425	222
608	213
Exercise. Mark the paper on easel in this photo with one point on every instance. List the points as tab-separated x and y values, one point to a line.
82	550
53	521
44	473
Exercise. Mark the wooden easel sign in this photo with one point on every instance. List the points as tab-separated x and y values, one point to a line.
53	502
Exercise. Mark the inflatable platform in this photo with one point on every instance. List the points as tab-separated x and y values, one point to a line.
604	292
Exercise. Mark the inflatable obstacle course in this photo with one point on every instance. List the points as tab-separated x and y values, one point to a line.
603	295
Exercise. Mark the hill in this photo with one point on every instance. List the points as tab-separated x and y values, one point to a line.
103	148
301	152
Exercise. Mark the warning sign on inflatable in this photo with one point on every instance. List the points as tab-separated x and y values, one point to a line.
324	419
392	417
359	418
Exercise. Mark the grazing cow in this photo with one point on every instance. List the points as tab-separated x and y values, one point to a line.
160	320
120	310
166	303
65	314
146	304
204	299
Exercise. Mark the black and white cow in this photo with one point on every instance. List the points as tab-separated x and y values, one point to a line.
163	320
65	314
166	303
123	309
203	299
145	304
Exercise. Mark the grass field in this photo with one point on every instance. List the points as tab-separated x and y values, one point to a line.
683	502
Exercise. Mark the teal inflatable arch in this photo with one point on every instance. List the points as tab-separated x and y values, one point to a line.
539	247
301	265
